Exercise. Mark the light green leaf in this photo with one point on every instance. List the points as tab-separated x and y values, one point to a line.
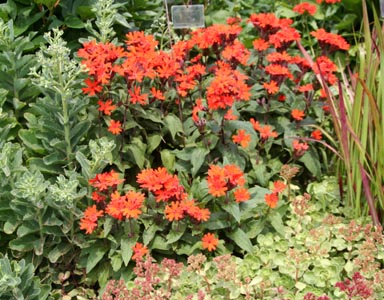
277	222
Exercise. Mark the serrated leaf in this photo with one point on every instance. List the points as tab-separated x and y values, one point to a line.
241	239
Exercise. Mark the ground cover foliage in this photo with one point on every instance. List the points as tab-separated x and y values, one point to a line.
215	163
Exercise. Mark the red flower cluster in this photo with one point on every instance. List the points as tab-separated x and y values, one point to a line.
326	68
357	287
330	40
128	206
227	87
166	187
305	7
242	138
224	179
265	131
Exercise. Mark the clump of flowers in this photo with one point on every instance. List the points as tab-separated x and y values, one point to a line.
222	180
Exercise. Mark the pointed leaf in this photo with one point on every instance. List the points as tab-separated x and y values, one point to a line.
241	239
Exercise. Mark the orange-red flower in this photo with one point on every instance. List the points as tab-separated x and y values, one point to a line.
317	134
278	186
236	53
241	194
266	132
164	186
331	40
271	87
104	180
227	86
271	199
230	116
210	242
242	138
299	148
137	97
116	205
297	114
174	211
223	179
106	107
284	37
93	87
260	45
139	250
306	88
133	204
89	220
157	94
115	127
325	67
305	7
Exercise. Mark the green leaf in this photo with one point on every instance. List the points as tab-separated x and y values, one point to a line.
116	263
217	220
277	222
173	124
27	227
11	225
177	231
96	253
57	252
29	139
312	163
197	159
160	243
168	159
149	233
241	239
73	22
233	209
153	142
126	248
79	131
24	243
137	149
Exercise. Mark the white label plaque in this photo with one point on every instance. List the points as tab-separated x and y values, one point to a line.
187	16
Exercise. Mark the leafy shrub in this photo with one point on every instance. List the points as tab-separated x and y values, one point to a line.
18	281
